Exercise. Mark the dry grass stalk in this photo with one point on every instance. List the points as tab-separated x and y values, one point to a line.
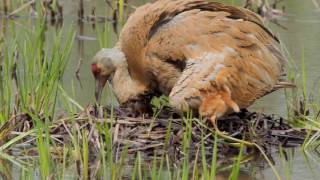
24	6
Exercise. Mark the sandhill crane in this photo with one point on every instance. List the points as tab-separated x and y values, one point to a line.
205	56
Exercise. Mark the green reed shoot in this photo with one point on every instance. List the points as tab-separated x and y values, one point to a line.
121	12
85	155
236	167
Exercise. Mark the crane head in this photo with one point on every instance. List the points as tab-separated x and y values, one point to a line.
103	67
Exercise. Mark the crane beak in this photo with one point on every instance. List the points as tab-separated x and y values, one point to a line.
100	83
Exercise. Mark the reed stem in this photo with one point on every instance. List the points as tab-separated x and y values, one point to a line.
81	10
5	6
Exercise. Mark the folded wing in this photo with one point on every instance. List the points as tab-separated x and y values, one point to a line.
228	69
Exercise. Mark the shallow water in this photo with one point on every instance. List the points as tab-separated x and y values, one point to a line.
301	36
302	40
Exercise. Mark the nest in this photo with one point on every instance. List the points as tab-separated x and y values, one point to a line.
161	136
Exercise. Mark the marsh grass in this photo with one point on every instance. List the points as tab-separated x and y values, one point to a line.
29	79
303	102
32	73
303	111
31	82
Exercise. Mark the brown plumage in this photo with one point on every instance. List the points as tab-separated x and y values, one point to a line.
204	55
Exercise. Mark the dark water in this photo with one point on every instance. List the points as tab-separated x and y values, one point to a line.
301	36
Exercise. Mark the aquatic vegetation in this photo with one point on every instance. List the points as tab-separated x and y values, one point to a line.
46	132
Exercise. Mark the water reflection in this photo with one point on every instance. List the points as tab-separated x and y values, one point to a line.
291	164
300	36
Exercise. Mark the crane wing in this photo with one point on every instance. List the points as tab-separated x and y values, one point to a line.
155	33
230	73
193	33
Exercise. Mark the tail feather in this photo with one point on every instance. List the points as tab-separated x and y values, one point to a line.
284	84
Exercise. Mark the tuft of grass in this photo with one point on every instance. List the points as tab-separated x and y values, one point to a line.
31	73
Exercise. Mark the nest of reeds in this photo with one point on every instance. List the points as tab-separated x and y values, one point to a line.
156	137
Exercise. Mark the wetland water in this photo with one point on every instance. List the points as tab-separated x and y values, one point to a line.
301	38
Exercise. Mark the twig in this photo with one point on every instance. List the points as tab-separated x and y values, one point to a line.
21	7
116	133
316	4
146	147
78	71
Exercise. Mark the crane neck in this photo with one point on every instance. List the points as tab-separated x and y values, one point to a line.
124	87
